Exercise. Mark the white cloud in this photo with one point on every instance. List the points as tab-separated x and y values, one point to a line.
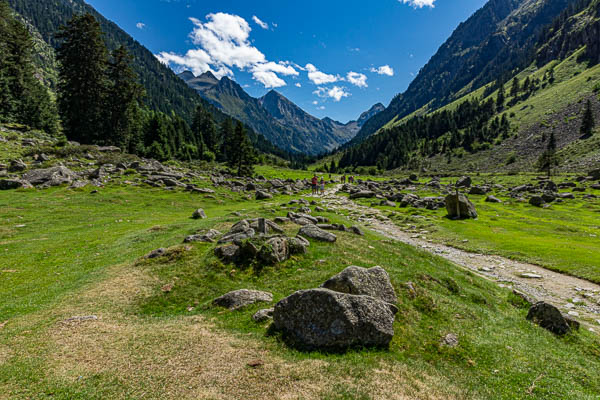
357	79
336	92
223	43
320	78
140	25
298	85
419	3
315	102
266	73
321	108
384	70
260	23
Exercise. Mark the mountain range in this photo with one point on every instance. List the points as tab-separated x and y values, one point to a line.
494	42
280	120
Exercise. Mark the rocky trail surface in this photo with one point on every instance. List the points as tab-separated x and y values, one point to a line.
576	297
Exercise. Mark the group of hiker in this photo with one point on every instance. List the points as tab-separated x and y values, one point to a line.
318	185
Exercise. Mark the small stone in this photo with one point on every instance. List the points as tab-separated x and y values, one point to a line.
450	340
263	315
530	275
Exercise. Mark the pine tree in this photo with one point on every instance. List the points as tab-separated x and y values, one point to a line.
501	96
549	158
122	101
226	133
241	156
587	123
83	84
516	87
203	127
333	167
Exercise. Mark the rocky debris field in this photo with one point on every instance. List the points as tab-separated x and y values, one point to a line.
575	298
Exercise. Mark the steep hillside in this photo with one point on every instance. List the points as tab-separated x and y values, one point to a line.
489	45
164	92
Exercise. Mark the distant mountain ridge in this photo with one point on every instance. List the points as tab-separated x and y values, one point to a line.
276	117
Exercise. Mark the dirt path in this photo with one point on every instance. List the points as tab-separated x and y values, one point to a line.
576	297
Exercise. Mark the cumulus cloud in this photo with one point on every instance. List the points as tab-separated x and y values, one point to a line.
336	93
266	73
419	3
298	84
140	25
224	43
384	70
260	23
320	78
357	79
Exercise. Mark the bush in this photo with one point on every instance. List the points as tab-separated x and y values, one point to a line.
512	158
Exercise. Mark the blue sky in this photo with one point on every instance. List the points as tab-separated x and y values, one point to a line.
331	57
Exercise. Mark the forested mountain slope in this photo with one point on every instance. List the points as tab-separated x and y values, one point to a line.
497	39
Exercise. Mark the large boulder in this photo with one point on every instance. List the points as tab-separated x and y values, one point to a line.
314	232
54	176
548	317
242	298
374	282
327	320
274	250
465	181
537	201
262	195
459	206
9	184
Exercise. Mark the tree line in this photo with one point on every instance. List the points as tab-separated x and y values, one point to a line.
23	98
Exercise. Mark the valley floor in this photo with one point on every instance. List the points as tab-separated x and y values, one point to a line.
71	253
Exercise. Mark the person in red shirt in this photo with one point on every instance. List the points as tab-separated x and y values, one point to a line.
315	181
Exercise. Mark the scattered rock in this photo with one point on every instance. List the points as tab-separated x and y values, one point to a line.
450	340
459	207
530	275
327	320
207	237
263	315
10	184
81	318
465	181
17	166
241	298
47	177
548	317
199	214
537	201
314	232
262	195
374	282
156	253
493	199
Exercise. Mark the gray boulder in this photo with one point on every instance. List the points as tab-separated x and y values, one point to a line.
228	253
465	181
594	174
54	176
460	207
262	195
242	298
374	282
537	201
314	232
548	317
17	166
274	250
10	184
263	315
327	320
199	214
207	237
492	199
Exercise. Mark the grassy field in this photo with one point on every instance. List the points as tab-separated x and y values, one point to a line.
72	253
563	237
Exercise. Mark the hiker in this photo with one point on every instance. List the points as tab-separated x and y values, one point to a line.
344	179
322	186
314	182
